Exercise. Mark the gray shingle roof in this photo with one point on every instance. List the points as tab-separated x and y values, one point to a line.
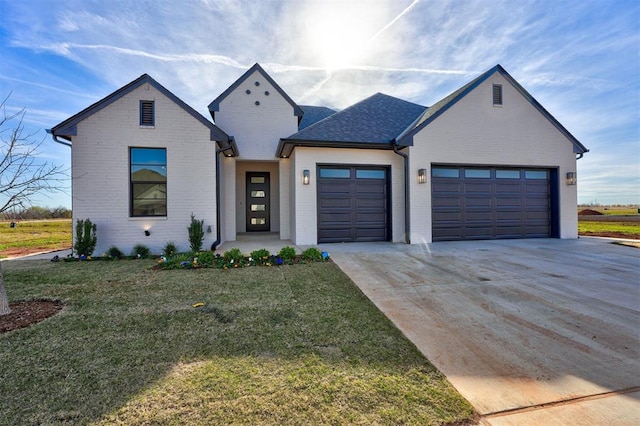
313	114
377	119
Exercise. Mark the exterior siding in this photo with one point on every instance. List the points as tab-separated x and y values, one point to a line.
305	221
475	132
257	129
100	172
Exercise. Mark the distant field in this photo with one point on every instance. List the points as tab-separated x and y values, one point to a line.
34	236
612	210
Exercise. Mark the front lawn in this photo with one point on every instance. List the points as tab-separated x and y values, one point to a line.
293	344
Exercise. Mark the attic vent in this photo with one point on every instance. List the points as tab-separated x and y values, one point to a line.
497	94
147	116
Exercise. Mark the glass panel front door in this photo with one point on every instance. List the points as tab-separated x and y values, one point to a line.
258	195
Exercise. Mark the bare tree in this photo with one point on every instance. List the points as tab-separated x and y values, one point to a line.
22	173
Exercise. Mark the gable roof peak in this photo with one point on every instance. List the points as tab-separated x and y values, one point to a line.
215	104
68	127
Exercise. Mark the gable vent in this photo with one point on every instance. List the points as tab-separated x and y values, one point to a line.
497	94
147	113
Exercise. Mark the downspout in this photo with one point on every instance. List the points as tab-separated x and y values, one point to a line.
580	155
407	212
219	151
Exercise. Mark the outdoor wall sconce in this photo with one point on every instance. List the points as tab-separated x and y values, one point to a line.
422	176
147	232
306	177
571	178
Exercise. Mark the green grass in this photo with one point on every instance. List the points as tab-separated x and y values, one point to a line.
628	229
34	236
283	345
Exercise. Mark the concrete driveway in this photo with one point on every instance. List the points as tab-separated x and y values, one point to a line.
540	331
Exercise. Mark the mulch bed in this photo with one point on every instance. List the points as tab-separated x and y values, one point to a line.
24	314
589	212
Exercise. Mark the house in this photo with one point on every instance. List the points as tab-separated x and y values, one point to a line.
486	162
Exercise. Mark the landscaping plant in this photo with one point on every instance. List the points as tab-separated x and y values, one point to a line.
287	254
86	238
196	234
141	251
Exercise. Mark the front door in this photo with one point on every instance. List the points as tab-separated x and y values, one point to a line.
257	201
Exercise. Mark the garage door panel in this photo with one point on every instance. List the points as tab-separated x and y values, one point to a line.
448	187
446	202
354	208
484	188
331	203
491	207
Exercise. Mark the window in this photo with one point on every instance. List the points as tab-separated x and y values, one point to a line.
497	94
148	177
147	113
444	172
507	174
370	174
335	173
477	173
535	174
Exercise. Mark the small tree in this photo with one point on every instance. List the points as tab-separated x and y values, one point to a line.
4	301
196	233
86	238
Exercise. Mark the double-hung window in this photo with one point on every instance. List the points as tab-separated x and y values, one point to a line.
148	180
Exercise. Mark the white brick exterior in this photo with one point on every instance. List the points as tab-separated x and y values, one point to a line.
100	172
304	199
471	132
257	129
475	132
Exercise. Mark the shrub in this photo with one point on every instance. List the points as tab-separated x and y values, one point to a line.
260	257
233	258
312	254
170	249
86	238
140	251
288	254
196	234
206	259
115	253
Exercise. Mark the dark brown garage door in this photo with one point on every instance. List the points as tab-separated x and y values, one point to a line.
353	204
490	203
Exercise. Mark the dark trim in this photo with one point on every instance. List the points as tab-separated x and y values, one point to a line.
286	146
68	128
554	201
215	104
230	146
407	139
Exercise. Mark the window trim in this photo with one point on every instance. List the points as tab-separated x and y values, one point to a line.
497	95
143	114
132	183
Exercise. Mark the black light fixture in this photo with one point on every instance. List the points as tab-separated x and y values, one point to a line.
422	175
306	176
147	232
571	178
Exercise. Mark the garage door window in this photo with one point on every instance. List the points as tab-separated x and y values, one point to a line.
370	174
477	173
442	172
507	174
335	173
536	174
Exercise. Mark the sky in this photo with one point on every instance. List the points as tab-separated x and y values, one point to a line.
579	59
